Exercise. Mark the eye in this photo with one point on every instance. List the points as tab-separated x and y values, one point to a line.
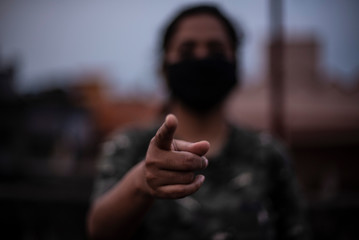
186	50
216	48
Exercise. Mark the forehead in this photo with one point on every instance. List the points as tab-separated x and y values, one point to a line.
202	27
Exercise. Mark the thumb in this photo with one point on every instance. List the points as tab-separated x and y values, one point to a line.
199	148
165	133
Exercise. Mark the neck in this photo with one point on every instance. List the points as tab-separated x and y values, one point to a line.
211	127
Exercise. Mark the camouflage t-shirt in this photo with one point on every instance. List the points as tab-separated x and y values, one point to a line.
249	193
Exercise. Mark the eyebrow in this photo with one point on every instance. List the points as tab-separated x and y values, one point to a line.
188	42
215	43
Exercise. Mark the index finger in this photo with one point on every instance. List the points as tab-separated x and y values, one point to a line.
165	133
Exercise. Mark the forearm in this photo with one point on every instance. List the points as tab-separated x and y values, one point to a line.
117	214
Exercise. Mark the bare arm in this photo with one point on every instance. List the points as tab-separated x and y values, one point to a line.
166	172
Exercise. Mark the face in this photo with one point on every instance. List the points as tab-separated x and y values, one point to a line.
198	37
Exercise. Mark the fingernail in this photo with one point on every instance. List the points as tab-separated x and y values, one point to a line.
205	161
202	178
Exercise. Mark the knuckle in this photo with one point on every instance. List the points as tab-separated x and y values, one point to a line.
188	161
153	140
187	178
191	176
150	177
181	191
151	184
168	162
149	163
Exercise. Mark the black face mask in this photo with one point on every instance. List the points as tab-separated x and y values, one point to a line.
201	84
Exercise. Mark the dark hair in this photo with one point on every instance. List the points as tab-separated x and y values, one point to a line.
212	10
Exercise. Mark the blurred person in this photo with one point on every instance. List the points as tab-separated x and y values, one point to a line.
151	182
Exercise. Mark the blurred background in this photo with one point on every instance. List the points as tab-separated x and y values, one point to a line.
71	72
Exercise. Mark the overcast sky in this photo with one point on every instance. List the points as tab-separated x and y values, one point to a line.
56	38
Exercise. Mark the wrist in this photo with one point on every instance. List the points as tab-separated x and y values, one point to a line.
141	187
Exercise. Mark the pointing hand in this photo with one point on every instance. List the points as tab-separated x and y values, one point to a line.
170	164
